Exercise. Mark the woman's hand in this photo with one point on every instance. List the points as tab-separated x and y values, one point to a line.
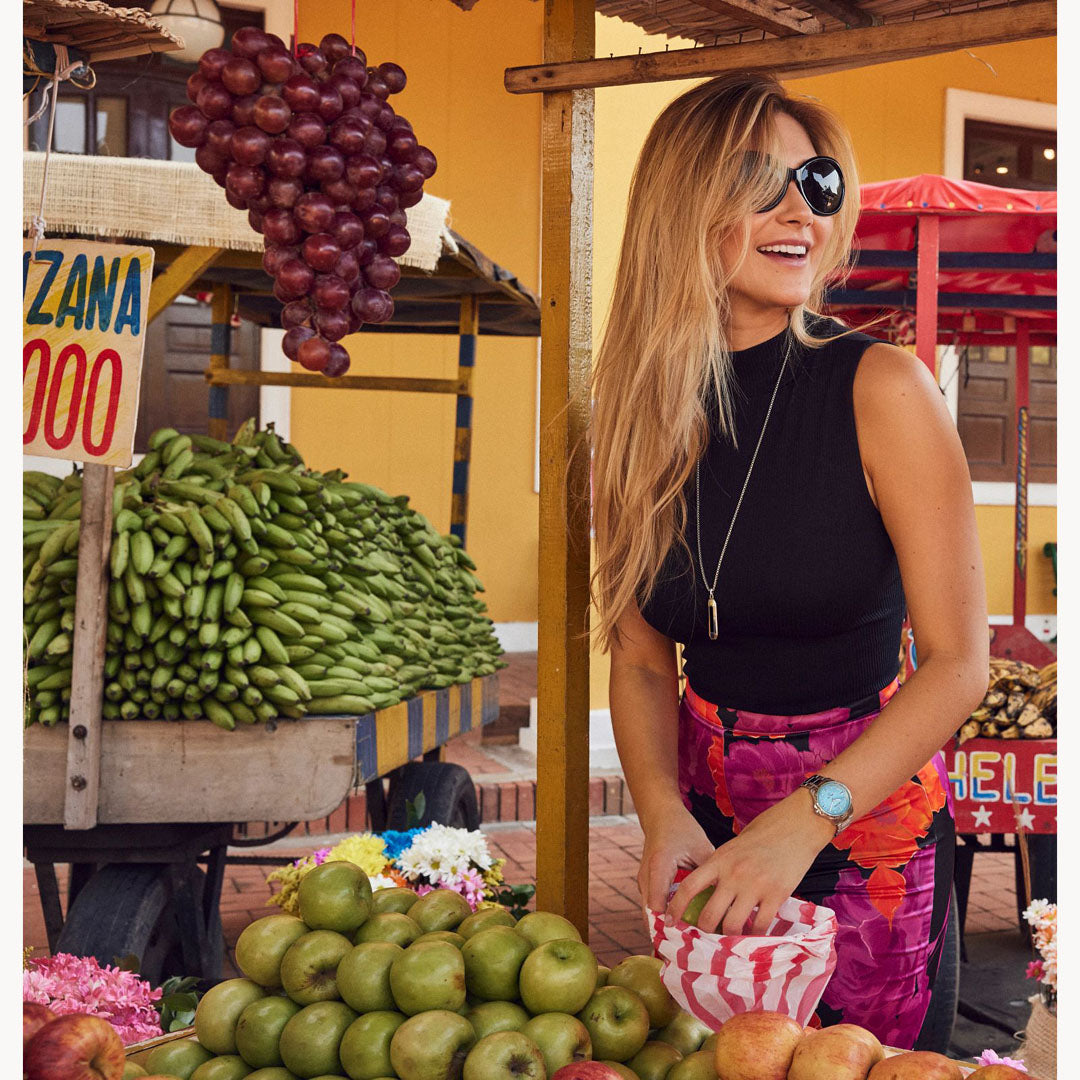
760	868
675	842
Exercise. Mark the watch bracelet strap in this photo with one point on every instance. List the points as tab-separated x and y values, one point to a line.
816	781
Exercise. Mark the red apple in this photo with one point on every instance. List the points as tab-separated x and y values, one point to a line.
918	1065
758	1046
586	1070
34	1018
998	1072
75	1047
831	1054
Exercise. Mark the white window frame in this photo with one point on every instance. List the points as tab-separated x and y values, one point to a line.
961	105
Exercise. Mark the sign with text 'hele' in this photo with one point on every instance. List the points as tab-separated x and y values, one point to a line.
84	327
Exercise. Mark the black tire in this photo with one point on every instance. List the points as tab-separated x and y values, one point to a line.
937	1028
449	796
126	909
1042	852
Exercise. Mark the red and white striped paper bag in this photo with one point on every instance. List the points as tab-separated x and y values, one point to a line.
715	976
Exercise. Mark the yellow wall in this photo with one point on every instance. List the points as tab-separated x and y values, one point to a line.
488	145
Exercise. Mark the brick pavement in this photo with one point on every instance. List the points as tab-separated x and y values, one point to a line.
616	926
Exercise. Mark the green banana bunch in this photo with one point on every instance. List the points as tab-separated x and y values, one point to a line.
244	586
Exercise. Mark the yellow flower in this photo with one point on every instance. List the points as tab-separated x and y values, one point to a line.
288	899
364	850
493	876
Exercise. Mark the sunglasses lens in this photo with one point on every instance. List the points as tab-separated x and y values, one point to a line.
822	185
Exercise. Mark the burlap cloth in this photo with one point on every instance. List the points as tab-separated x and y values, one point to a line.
176	202
1039	1048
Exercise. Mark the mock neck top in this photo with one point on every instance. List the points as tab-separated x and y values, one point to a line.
809	599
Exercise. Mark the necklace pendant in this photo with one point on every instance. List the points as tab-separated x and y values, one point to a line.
714	622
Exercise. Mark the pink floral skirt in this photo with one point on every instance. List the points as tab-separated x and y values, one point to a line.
888	875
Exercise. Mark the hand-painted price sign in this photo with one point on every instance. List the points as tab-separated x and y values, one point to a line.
84	327
1004	785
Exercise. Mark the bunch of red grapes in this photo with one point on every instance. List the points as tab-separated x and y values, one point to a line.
311	148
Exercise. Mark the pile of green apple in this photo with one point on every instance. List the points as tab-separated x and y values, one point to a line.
394	984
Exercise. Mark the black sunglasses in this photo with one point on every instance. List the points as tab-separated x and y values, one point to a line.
820	181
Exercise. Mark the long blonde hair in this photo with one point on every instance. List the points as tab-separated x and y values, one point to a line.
664	348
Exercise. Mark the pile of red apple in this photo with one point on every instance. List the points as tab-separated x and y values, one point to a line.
69	1047
309	145
376	986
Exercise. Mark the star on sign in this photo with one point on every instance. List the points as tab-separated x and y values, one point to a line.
982	817
1026	819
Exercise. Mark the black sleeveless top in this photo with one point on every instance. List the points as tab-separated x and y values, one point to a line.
809	597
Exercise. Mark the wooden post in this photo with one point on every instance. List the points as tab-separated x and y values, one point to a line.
187	267
1023	410
926	293
562	795
88	650
220	348
468	328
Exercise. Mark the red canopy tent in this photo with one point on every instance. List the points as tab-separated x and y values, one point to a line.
975	265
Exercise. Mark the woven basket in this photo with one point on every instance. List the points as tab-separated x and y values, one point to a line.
1039	1048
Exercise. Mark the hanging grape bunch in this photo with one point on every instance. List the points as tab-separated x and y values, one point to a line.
311	148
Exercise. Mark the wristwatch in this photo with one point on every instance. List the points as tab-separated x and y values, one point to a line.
832	800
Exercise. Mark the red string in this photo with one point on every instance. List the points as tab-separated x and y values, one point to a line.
352	40
296	26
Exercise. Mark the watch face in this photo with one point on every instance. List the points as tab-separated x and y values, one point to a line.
834	799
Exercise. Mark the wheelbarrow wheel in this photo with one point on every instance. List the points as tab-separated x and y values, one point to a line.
449	796
127	909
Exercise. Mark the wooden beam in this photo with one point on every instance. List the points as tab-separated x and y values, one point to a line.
805	54
468	328
221	310
847	11
771	16
229	377
181	272
562	760
88	651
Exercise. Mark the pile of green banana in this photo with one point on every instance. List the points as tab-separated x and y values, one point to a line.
244	586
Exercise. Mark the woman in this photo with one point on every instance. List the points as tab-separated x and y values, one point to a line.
771	490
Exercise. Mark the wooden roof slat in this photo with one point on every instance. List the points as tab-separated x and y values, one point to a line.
769	15
97	29
847	11
802	54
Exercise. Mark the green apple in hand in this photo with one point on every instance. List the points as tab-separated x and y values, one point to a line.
506	1055
693	909
428	975
618	1023
365	1046
431	1046
309	967
642	975
562	1038
558	976
363	976
310	1040
491	1016
541	926
493	959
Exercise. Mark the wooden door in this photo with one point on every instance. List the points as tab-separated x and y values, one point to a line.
986	413
174	392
